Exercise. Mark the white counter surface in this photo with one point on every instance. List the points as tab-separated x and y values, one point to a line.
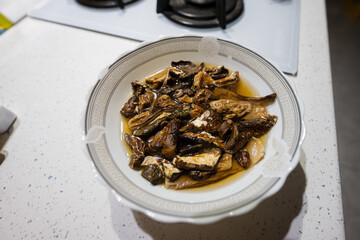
48	189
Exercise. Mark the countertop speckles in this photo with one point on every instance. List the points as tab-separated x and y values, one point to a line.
47	185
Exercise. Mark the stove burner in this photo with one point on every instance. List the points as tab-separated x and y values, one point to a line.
201	13
105	3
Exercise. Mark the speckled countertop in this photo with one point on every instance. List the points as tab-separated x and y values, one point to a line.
48	189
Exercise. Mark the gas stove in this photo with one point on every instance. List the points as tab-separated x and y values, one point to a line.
270	27
191	13
201	13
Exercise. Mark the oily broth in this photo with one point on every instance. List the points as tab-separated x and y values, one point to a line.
124	128
243	88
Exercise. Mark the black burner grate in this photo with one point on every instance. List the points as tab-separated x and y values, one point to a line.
201	13
105	3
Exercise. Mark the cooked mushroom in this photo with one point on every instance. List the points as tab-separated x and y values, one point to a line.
228	82
231	108
164	101
137	145
138	88
209	121
146	100
129	109
138	120
196	111
155	82
203	137
257	112
234	137
153	174
154	122
202	80
185	99
256	150
164	142
169	89
189	149
160	117
203	97
199	175
225	129
243	159
171	172
184	69
182	92
135	161
241	140
225	163
152	160
259	126
139	149
181	111
227	94
206	160
185	181
217	72
265	100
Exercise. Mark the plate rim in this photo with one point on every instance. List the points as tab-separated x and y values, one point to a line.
214	217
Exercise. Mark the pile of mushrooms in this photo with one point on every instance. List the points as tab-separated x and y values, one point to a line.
189	127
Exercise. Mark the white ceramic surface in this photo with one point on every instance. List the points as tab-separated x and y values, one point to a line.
103	127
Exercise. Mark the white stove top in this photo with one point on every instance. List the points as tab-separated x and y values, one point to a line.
270	27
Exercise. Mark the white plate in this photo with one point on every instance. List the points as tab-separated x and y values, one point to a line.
107	151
